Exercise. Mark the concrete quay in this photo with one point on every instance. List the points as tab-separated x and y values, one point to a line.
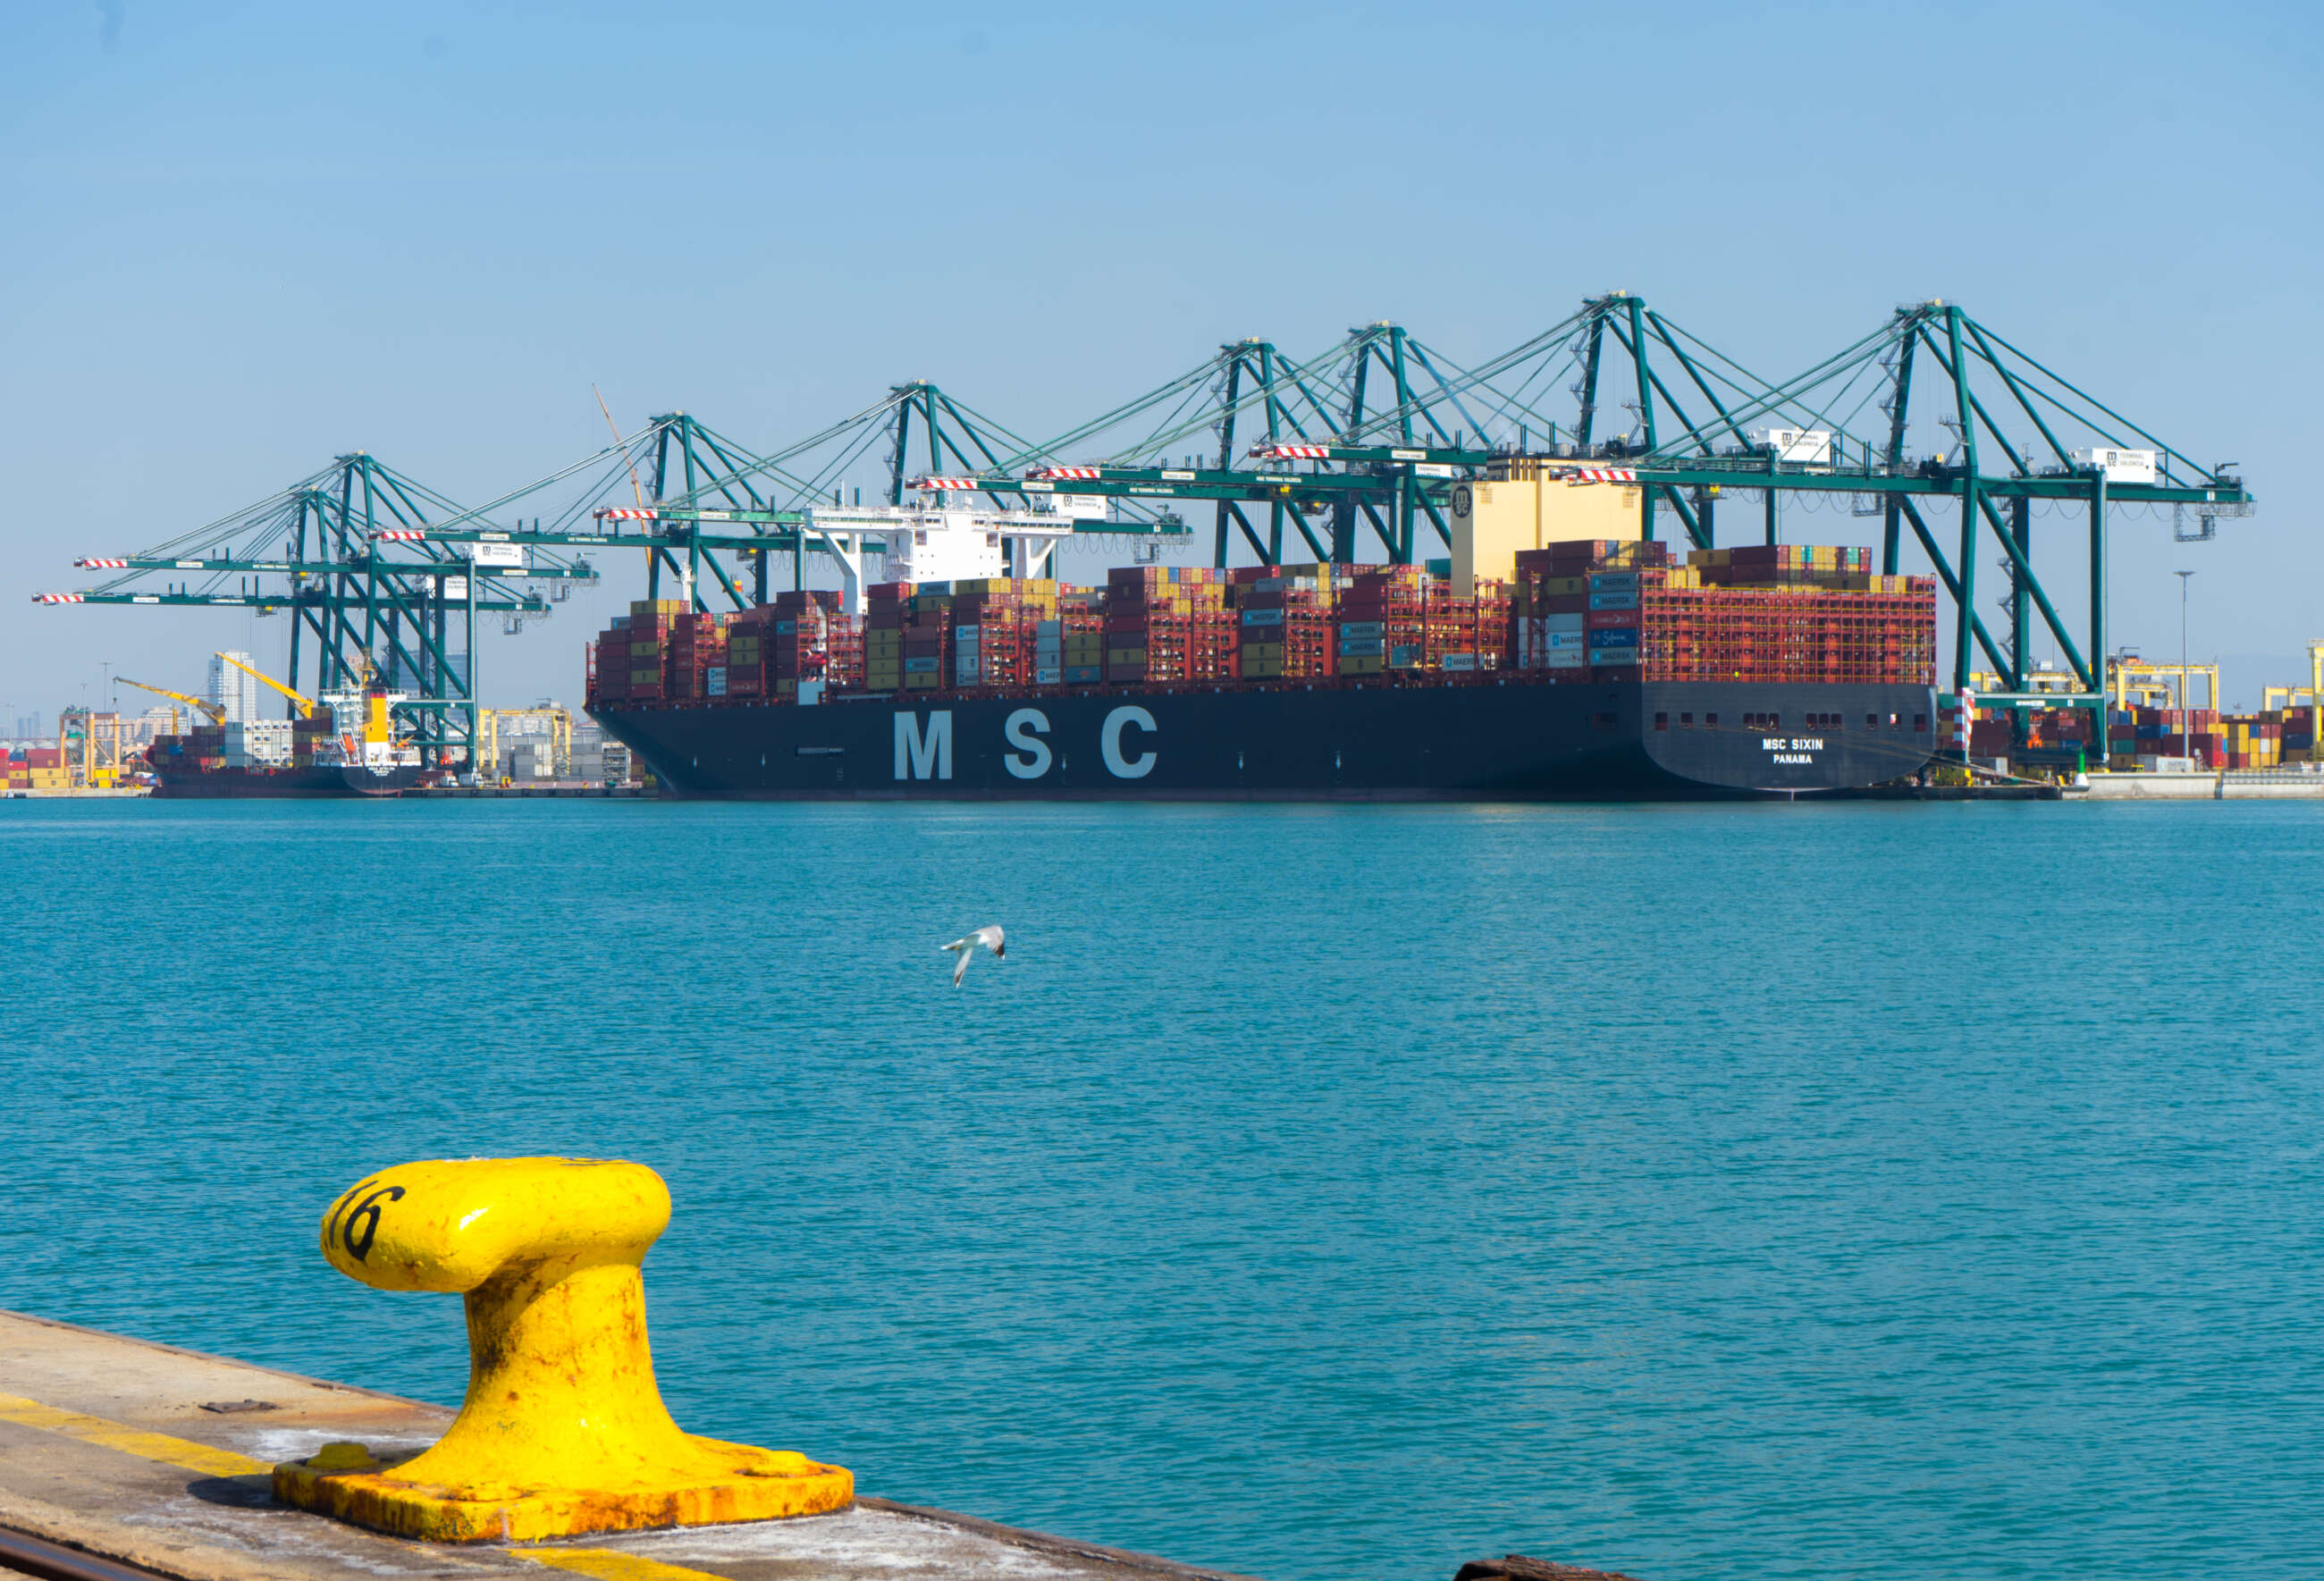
158	1462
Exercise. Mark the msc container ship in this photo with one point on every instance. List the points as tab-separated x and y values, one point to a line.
1590	669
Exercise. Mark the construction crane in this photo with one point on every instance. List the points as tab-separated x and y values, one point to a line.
216	712
305	705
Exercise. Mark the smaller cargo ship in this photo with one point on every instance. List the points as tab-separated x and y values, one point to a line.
210	761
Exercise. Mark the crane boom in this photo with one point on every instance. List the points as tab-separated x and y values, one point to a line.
215	712
306	705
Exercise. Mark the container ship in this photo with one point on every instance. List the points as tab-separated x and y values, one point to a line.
1594	669
365	760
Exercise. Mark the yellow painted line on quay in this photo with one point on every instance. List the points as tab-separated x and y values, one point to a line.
607	1564
129	1440
602	1564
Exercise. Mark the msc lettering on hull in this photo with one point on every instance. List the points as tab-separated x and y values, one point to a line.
1024	730
923	749
926	754
1109	742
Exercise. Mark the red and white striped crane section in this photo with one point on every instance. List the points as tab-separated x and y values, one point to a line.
1292	452
1040	474
56	598
400	534
100	564
628	513
1602	475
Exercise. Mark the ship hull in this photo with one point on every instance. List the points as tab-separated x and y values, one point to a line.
321	780
1495	740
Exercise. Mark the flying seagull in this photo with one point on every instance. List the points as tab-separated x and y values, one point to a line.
990	938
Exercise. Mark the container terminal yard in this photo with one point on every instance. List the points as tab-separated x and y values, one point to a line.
1426	579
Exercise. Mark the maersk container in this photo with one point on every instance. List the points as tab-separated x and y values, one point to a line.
1360	629
1362	646
1614	601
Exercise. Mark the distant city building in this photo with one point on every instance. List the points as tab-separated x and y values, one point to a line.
28	727
233	690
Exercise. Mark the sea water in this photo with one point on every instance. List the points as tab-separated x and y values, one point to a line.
1319	1192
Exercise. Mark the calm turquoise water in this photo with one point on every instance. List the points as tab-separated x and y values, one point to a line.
1746	1192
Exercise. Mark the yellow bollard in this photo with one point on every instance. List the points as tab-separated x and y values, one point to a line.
563	1430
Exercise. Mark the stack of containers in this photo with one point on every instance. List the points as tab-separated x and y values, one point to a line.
1147	624
842	643
1611	624
1786	613
45	767
748	648
1283	623
1485	619
1081	620
651	632
1381	622
1842	569
805	631
609	667
2297	741
1049	651
2170	732
887	611
17	772
698	643
927	638
996	628
305	733
1448	631
2254	741
988	637
1212	633
1555	606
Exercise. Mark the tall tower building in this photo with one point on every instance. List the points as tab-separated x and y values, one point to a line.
233	690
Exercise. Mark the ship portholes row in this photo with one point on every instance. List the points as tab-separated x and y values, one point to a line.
924	748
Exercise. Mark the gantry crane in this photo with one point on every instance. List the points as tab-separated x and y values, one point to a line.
1377	432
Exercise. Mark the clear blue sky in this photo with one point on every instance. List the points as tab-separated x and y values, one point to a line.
242	238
